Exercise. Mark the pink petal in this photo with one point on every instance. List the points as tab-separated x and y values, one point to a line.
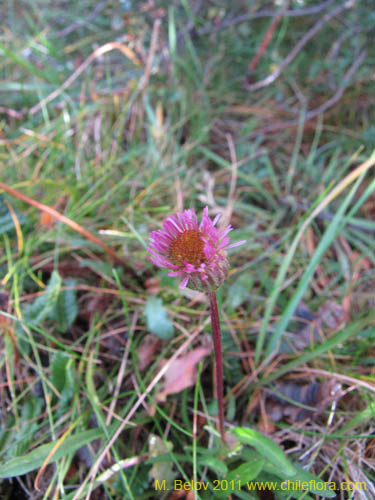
237	244
184	283
171	227
216	219
175	273
226	231
224	243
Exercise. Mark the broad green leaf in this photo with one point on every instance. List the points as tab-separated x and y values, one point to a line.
14	442
97	266
308	482
62	375
214	464
250	455
93	396
36	312
7	224
231	407
302	481
240	290
366	415
65	309
246	471
33	460
31	409
58	370
157	320
266	448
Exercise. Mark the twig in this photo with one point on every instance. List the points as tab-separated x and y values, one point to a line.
154	40
297	49
310	115
12	112
227	214
226	23
347	77
81	22
337	376
138	403
62	218
97	53
334	50
121	372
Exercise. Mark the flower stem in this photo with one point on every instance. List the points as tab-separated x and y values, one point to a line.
215	323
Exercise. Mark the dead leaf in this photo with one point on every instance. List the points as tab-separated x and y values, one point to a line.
177	495
181	372
315	396
328	318
152	286
149	346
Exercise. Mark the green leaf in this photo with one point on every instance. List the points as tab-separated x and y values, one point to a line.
365	415
247	471
66	309
310	483
16	441
33	460
231	407
97	266
328	345
240	290
161	470
24	63
266	447
325	242
7	224
214	464
62	376
31	409
157	320
302	481
36	312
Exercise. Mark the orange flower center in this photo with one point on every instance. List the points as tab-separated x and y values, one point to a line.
187	247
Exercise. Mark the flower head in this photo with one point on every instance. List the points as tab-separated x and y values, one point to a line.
196	253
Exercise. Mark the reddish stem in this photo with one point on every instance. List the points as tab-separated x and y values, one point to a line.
268	36
215	322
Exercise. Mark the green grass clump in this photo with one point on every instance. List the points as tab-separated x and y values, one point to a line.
116	121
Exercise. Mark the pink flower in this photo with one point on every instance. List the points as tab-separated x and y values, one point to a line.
196	253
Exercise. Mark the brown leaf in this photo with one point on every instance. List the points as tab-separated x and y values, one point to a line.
181	372
177	495
47	220
329	317
152	286
315	396
149	346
